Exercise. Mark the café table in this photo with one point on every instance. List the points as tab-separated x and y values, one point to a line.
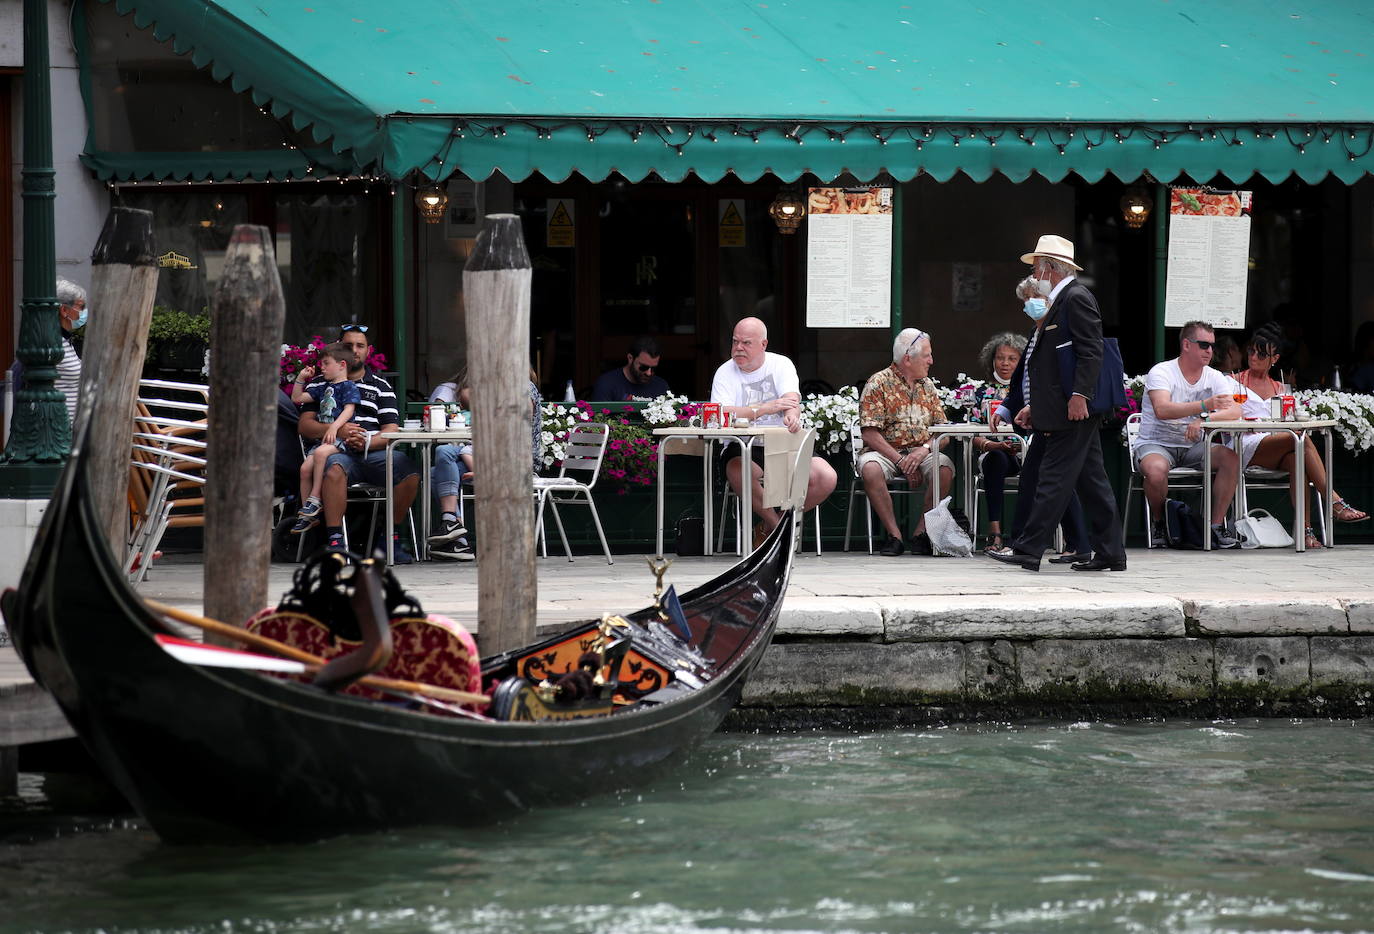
684	437
426	441
1298	430
964	433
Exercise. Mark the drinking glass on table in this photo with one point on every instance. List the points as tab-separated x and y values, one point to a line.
1240	395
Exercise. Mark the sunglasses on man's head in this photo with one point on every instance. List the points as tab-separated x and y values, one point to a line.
345	328
645	367
1205	345
920	336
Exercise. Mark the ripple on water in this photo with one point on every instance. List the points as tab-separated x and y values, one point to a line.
1013	827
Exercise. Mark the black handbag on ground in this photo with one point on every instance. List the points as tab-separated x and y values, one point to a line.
690	535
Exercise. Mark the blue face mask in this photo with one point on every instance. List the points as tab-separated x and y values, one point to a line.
80	320
1036	308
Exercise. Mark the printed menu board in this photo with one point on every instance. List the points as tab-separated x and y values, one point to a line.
1209	257
849	257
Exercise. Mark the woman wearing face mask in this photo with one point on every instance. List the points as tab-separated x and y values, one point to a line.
71	312
1031	292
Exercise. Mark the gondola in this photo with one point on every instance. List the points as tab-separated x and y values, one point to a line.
208	754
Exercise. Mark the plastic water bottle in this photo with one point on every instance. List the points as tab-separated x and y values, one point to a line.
568	394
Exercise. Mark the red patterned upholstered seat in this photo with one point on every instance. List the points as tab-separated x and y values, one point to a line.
430	650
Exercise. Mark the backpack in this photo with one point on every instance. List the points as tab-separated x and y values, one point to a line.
1182	527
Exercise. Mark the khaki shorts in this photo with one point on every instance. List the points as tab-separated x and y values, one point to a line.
1176	457
890	471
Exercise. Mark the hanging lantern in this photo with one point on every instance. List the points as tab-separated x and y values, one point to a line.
787	210
431	201
1136	207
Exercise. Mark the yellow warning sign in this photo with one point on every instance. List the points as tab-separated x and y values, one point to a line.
731	226
562	227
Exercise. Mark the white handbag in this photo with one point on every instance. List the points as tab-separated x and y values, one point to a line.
1261	530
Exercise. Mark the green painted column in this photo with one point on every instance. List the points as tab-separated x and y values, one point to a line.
400	315
1161	265
40	435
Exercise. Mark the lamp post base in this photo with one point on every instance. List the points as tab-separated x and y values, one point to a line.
24	493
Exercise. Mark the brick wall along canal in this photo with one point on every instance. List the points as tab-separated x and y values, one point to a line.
1201	826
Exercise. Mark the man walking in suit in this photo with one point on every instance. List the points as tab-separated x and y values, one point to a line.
1059	412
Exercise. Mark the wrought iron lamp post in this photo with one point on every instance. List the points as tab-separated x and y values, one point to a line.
40	435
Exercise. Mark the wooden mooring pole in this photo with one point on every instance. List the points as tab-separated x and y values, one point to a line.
123	286
246	315
496	293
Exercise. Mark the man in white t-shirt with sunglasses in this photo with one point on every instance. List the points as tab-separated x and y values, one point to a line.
1180	396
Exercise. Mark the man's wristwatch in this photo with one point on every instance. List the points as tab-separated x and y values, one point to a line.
1204	415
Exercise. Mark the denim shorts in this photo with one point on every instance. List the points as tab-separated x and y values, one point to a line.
371	468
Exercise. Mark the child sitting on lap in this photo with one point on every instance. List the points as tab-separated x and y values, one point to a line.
338	398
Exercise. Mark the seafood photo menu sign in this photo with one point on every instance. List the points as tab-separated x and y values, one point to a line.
1209	257
849	257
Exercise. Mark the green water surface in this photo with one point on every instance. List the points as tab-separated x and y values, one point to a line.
1183	826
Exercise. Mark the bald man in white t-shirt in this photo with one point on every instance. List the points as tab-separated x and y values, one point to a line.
763	388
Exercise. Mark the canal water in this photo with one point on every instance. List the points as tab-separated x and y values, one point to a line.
1149	827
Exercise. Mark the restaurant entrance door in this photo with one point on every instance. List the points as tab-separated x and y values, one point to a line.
679	262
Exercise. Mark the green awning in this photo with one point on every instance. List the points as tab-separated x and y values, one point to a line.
828	87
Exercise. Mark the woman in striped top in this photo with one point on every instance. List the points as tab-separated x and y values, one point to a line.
71	312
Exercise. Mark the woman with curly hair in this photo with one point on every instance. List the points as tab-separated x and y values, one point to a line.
997	458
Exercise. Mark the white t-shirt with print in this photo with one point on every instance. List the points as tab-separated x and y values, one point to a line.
1172	432
776	377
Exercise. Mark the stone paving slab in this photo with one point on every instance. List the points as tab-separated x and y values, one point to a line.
1270	614
1035	616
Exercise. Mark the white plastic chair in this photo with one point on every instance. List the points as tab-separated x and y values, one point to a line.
583	453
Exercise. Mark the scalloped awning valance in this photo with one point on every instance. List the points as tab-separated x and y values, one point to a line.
826	87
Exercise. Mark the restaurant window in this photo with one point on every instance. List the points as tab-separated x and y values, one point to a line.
326	245
190	236
146	98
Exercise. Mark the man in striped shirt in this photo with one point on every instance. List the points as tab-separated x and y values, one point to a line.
363	459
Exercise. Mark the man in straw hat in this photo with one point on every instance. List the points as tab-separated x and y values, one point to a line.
1073	447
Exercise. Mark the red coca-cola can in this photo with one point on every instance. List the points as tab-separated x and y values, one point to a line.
1287	405
710	415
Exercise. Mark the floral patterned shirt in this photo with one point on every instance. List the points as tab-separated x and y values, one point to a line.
902	414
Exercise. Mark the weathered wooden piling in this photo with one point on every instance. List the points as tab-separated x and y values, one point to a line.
246	315
123	286
496	291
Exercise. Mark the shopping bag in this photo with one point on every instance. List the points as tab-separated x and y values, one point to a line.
1264	530
947	537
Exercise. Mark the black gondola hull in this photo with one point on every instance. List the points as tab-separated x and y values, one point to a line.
213	754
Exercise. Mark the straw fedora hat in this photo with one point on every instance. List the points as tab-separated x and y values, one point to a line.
1055	248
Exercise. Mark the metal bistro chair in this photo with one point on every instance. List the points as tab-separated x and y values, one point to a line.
366	493
583	453
1013	485
161	464
1180	478
1265	478
897	487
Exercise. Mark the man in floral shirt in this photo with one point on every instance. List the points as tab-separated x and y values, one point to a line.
896	410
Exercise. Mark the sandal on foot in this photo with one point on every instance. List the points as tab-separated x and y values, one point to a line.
1344	512
994	542
1311	541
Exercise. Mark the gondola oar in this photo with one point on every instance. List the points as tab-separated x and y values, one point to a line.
256	641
